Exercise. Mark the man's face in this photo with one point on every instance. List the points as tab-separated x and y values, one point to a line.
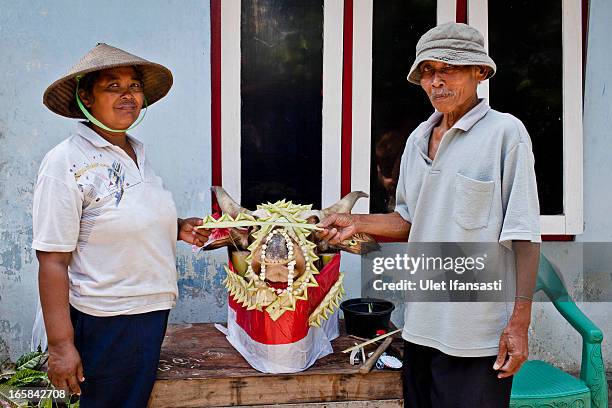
450	87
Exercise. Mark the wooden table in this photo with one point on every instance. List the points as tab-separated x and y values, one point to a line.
200	368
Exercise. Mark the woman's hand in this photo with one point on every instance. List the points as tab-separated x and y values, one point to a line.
65	367
191	235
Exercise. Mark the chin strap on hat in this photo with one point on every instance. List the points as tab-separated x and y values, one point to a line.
96	122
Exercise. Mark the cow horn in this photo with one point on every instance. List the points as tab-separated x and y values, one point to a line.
227	203
305	215
345	205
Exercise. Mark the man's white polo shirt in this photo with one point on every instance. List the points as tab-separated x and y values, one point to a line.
117	220
481	187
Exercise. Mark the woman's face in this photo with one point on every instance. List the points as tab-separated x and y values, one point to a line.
116	97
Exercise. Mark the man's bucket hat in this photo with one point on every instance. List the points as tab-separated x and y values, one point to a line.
60	95
454	44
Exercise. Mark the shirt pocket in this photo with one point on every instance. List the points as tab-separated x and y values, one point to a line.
472	202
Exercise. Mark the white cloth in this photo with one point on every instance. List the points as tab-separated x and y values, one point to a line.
481	187
117	220
39	334
283	358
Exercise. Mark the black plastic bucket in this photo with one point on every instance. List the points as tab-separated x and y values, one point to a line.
363	317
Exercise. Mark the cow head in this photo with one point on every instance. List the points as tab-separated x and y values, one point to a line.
279	250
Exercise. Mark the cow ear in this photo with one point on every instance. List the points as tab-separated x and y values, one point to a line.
313	219
261	213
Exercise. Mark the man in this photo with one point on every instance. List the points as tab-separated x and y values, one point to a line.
467	175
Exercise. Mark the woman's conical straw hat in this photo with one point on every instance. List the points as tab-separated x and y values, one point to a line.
60	98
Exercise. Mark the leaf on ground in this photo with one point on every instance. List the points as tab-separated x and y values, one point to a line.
28	376
6	373
46	403
33	360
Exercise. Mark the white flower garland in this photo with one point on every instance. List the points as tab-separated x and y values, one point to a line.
290	264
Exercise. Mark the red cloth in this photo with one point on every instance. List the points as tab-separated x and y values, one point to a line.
292	326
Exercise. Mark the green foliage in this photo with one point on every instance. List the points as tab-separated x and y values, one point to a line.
46	403
26	372
33	360
28	376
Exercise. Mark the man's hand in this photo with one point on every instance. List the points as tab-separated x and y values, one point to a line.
191	235
513	346
514	341
338	228
65	367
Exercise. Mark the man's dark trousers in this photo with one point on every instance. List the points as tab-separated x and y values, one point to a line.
433	379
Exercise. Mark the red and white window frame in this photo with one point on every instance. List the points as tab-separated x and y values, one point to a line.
347	97
225	50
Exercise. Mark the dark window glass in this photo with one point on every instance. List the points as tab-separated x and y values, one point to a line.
281	85
525	42
397	105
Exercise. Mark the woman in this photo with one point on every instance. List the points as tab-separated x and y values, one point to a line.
105	233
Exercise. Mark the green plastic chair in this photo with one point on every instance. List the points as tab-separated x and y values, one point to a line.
539	384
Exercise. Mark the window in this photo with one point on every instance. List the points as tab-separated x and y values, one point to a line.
280	99
529	84
539	80
385	106
397	105
281	83
537	47
268	143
